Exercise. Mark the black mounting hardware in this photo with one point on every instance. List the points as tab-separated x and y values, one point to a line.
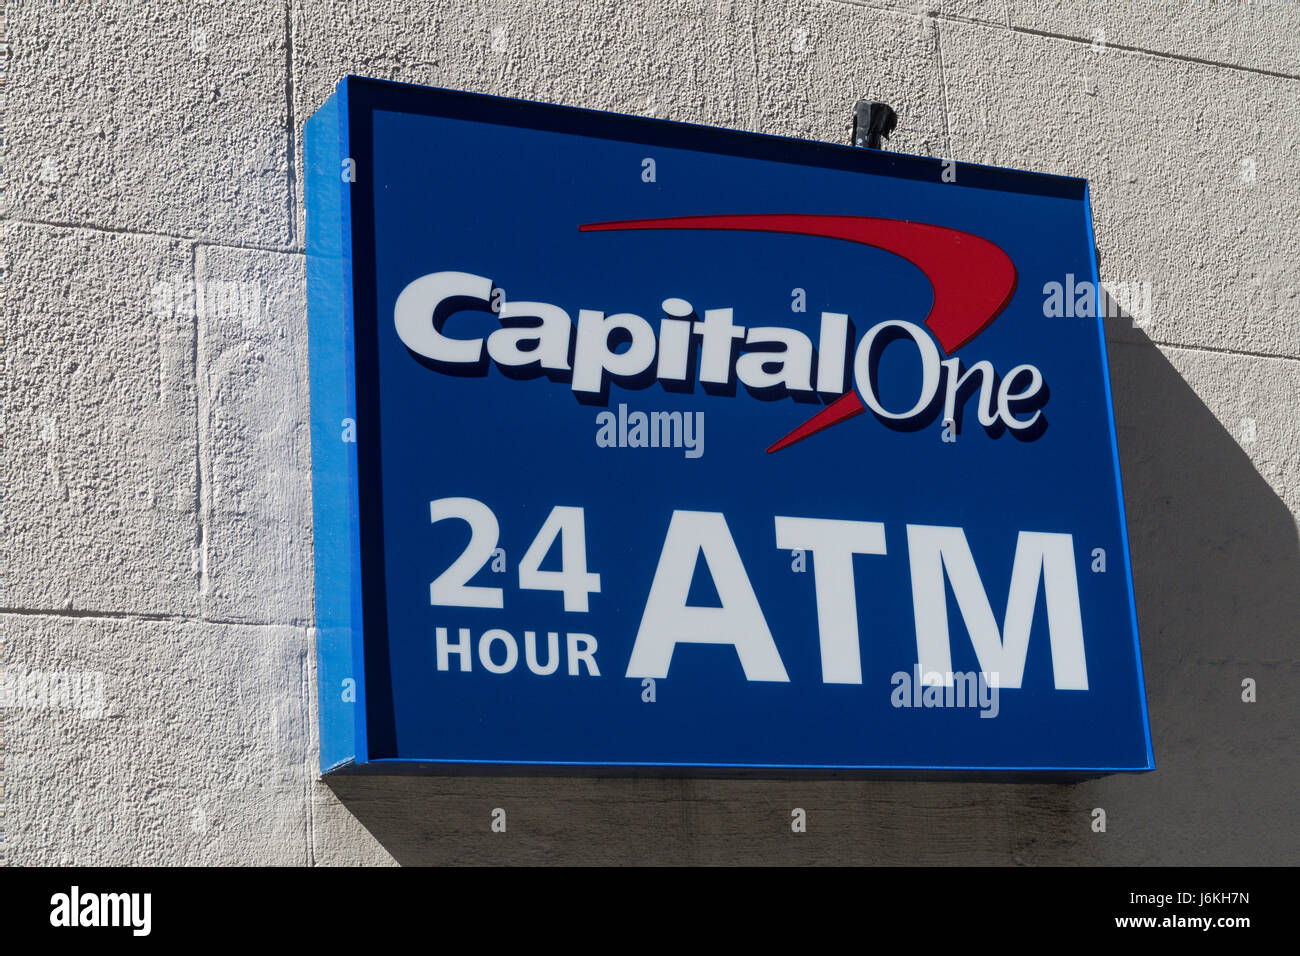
872	120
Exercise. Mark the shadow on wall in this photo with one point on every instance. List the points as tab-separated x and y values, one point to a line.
1217	573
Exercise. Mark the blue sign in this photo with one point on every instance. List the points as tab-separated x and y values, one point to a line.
648	445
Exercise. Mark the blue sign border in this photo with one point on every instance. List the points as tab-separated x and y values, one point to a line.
356	716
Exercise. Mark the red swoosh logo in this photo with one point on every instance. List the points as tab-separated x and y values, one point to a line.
973	279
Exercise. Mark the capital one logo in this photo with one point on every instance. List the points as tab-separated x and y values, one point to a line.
972	279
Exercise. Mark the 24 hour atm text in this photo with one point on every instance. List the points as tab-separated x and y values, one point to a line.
939	558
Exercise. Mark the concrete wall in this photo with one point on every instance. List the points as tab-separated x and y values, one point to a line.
155	462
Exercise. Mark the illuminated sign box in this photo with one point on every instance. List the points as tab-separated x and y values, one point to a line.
638	444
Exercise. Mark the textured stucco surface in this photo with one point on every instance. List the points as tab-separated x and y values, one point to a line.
150	117
1162	143
155	459
1258	35
100	455
200	756
256	560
